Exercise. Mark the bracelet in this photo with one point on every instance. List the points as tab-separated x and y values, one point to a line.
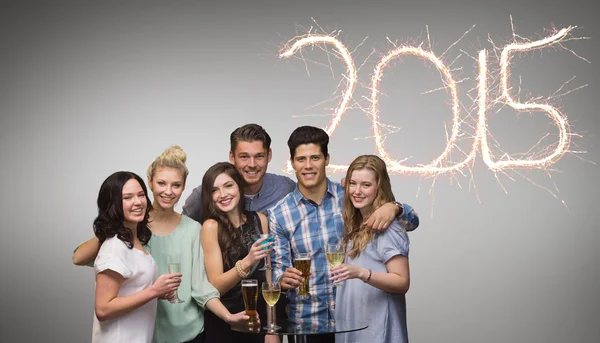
240	271
369	277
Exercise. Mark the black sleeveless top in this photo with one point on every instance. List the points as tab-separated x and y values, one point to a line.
233	299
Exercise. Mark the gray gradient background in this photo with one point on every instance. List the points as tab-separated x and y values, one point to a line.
88	88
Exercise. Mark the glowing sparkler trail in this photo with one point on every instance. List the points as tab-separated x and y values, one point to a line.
442	164
481	135
559	120
351	78
436	166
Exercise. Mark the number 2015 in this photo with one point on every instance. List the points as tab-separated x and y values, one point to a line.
480	141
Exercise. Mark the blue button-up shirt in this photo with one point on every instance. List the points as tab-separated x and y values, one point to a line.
302	226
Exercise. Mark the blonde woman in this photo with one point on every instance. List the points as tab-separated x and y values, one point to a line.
375	272
174	233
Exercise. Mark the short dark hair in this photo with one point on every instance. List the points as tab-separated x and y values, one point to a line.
308	135
110	210
249	133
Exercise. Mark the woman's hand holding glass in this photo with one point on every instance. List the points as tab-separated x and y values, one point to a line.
240	319
259	250
166	285
347	271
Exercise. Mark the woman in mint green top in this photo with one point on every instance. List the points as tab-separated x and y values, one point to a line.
175	233
195	290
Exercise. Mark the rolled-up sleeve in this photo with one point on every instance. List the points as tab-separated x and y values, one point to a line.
111	256
409	218
392	242
202	290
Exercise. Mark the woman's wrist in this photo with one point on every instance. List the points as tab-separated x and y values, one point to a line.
245	264
228	317
364	274
240	270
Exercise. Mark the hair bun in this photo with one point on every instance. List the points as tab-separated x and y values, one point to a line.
175	151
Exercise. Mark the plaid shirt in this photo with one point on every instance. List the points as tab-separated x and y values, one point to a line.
301	226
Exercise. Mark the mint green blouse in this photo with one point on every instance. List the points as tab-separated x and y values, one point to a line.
182	322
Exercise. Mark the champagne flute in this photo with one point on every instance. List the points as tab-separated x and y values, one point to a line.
174	266
271	292
335	254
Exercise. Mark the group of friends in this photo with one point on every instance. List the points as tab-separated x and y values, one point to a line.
215	239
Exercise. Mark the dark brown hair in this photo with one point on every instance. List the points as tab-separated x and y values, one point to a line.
229	237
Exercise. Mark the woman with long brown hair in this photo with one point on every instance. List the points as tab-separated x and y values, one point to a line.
231	250
170	233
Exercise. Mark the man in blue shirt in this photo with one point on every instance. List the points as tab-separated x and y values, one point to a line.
250	154
308	219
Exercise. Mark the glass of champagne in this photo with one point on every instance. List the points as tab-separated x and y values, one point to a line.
269	239
302	263
271	292
174	266
250	295
335	254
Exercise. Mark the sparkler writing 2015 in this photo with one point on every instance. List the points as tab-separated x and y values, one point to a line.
441	165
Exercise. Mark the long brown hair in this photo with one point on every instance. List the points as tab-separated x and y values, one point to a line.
354	229
229	237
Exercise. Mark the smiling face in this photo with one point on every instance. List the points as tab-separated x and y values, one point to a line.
362	190
309	164
166	185
225	193
134	203
251	160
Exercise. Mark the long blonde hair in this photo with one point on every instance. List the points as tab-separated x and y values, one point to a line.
355	232
173	157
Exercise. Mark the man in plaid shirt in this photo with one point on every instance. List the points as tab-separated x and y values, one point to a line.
309	218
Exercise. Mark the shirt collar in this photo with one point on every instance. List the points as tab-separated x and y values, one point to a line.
298	196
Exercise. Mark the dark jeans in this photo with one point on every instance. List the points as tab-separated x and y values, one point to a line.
327	338
198	339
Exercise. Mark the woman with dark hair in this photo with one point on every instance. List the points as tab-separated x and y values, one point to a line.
376	265
175	234
127	282
231	253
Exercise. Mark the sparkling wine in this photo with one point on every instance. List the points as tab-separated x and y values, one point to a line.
271	296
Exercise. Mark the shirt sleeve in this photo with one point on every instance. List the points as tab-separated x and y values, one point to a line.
409	218
392	242
202	290
193	204
113	256
280	256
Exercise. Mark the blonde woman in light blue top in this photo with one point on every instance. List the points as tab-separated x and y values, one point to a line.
175	233
375	272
